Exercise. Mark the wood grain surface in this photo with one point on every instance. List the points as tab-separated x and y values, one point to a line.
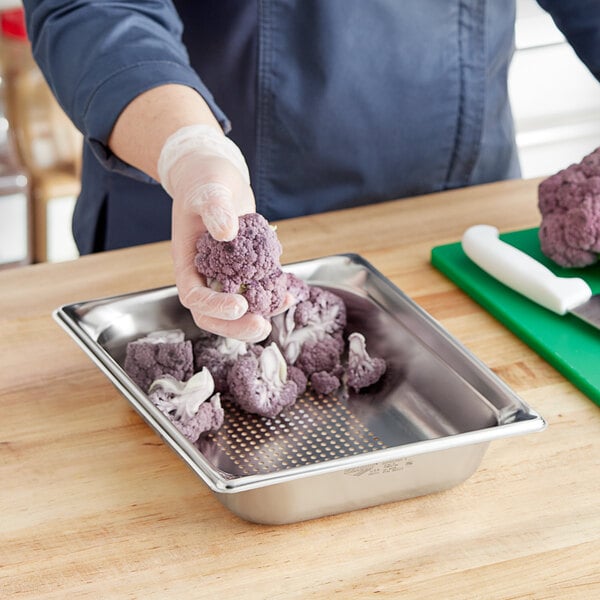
94	505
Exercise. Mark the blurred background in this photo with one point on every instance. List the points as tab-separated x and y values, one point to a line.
556	104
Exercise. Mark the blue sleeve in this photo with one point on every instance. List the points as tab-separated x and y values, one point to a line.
579	21
98	56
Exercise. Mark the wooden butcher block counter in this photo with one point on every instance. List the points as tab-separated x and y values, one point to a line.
94	505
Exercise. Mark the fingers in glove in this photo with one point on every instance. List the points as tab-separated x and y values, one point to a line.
250	328
220	200
214	202
218	305
206	174
190	285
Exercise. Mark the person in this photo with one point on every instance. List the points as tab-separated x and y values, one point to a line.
287	107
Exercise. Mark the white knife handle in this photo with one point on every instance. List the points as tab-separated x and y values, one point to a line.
522	273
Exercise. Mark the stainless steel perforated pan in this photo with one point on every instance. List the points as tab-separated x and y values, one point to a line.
423	428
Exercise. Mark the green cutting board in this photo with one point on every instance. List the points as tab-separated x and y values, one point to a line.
570	345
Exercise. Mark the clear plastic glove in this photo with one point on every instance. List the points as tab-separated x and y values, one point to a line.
206	175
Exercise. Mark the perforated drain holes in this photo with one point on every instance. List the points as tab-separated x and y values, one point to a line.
314	430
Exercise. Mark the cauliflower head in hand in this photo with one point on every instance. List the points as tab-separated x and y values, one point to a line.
248	265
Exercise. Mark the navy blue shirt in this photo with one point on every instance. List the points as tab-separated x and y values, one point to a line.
334	103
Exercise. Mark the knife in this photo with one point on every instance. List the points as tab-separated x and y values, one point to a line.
525	275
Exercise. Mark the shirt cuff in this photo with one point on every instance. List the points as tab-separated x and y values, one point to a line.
116	92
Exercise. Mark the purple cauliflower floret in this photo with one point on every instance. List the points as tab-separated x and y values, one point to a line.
191	405
159	353
363	370
298	377
320	361
210	358
266	295
323	354
209	418
297	287
590	164
324	382
260	384
248	265
322	309
569	203
322	314
217	354
310	334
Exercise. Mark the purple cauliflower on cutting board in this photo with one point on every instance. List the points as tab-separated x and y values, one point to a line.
569	202
159	353
248	265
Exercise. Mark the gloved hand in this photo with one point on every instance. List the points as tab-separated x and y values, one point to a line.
206	175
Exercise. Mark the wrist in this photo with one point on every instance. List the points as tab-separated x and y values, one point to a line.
204	142
146	123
